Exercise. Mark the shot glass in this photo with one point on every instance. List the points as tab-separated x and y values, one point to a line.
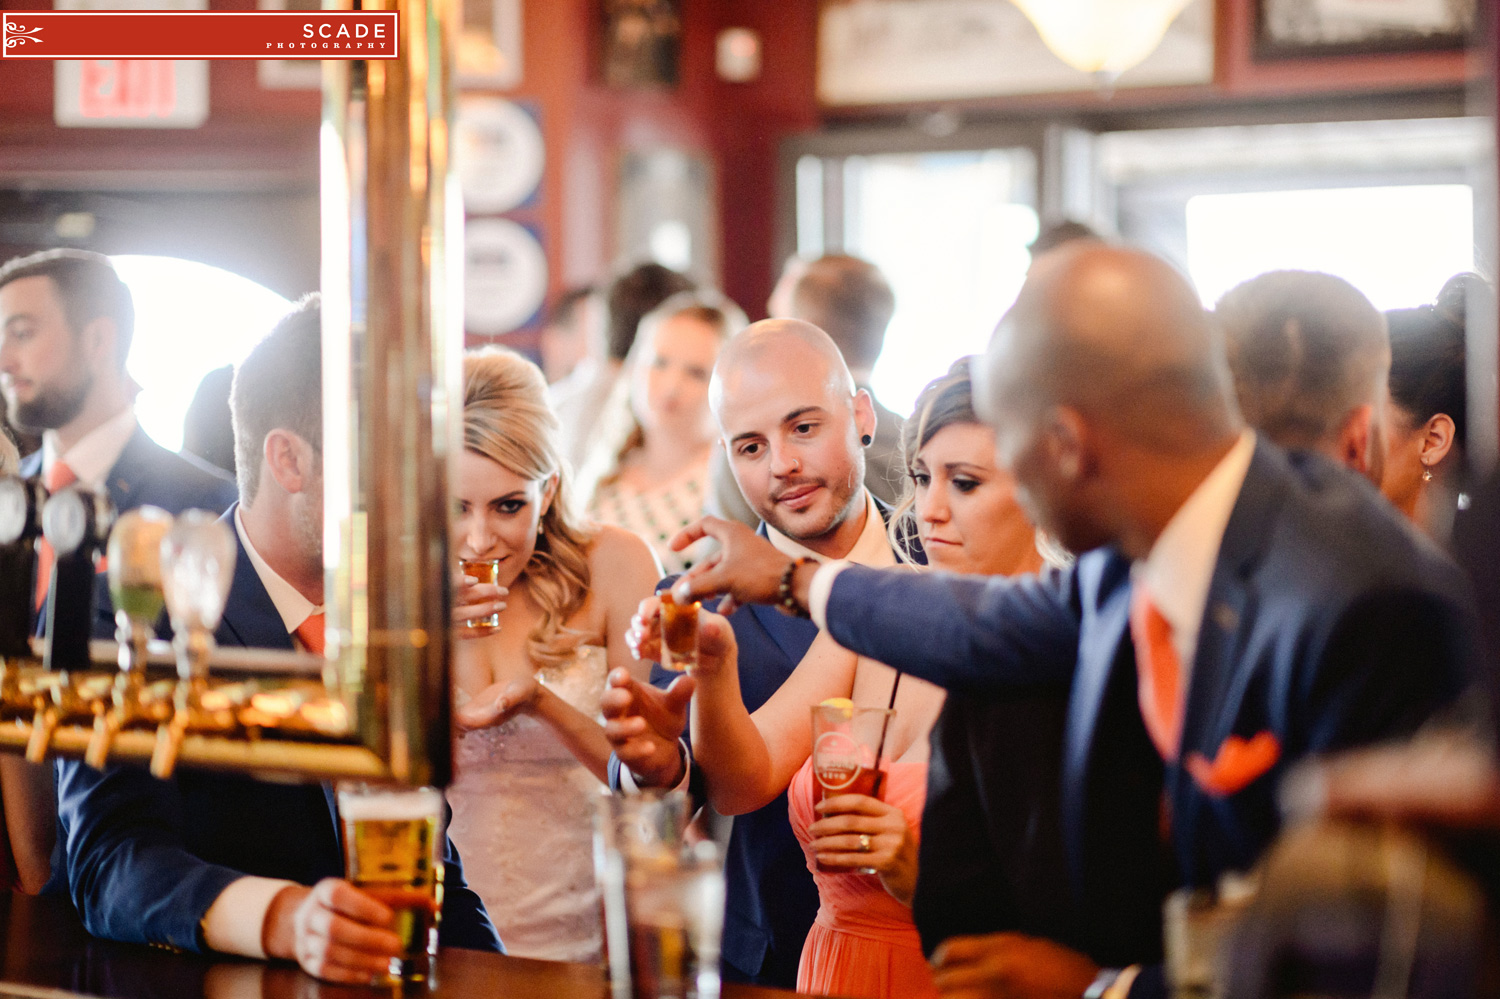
391	839
679	633
484	570
847	742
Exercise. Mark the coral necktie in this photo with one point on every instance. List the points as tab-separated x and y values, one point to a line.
59	477
310	632
1159	671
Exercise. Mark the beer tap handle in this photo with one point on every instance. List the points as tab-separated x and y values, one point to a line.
20	525
76	523
197	564
135	581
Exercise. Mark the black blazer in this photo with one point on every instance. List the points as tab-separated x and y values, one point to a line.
1329	623
146	858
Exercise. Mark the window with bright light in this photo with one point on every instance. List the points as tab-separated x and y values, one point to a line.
950	232
190	318
1396	244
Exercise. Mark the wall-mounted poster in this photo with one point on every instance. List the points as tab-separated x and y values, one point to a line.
896	51
505	276
1317	27
642	39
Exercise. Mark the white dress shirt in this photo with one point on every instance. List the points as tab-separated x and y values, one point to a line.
95	453
235	922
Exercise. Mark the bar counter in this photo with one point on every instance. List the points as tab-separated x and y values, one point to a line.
48	955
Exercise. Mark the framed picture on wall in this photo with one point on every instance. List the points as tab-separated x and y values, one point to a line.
642	41
1300	28
489	44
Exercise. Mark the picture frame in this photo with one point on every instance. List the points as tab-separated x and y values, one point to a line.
1301	28
489	45
641	44
289	74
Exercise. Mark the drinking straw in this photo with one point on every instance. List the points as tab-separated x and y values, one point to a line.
884	725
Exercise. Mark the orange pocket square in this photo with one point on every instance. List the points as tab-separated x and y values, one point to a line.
1239	763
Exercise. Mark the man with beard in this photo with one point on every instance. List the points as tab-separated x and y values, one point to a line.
66	322
223	862
795	428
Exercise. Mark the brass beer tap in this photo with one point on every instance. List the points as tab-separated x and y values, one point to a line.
197	566
135	588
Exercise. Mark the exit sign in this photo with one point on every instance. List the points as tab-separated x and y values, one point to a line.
130	93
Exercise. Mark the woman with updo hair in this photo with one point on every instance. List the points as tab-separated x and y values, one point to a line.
1426	415
531	755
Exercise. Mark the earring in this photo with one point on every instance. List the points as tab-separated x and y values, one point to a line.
540	529
1426	475
867	440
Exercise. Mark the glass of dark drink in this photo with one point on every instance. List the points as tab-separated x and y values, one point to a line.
847	742
679	633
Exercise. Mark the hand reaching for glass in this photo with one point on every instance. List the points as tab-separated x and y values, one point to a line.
747	569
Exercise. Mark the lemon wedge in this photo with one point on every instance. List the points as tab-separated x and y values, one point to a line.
842	703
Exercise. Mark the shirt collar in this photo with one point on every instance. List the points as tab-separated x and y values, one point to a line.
872	548
1179	569
291	605
96	451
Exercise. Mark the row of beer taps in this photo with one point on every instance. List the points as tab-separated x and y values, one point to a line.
58	692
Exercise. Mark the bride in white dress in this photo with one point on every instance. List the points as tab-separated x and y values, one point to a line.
531	755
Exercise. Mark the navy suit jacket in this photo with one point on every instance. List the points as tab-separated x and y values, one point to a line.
147	474
1329	623
146	858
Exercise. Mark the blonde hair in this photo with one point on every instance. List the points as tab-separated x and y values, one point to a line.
507	420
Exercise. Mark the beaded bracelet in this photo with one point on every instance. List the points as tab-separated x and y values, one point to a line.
786	599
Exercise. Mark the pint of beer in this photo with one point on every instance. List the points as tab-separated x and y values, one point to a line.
390	851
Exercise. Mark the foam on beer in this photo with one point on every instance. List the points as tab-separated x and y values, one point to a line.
391	805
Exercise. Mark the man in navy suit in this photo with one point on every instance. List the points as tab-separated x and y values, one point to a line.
1236	610
795	428
227	863
66	323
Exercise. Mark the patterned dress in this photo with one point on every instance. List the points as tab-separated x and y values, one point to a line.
657	513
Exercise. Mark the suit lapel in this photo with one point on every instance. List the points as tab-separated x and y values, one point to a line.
128	469
250	617
1220	677
1103	643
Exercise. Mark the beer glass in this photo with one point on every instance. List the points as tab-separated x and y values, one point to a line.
484	570
847	743
679	633
391	837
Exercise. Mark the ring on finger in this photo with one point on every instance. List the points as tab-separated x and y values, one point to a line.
864	842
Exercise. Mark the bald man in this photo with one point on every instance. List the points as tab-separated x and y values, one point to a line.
850	300
1311	359
795	428
1234	611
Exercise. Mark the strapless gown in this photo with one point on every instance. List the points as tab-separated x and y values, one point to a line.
863	943
523	823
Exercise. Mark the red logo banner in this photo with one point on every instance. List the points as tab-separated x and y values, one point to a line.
199	34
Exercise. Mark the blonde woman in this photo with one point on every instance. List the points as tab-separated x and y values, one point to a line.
651	476
532	756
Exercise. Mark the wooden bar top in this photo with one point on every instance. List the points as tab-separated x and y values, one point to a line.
47	953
